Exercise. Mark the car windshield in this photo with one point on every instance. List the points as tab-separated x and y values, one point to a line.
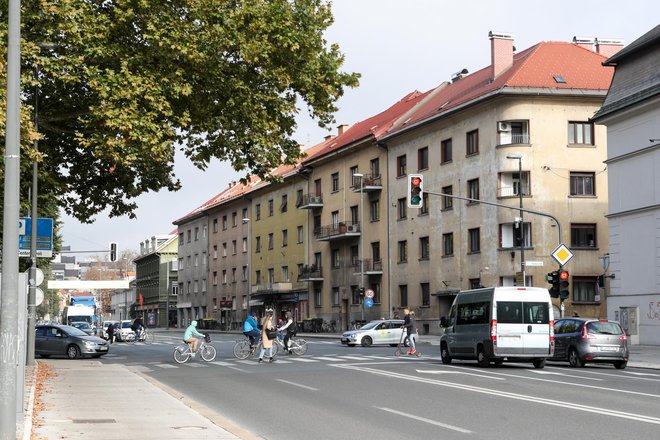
126	324
370	325
73	331
82	325
604	328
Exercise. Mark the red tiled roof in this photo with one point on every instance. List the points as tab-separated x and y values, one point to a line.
533	68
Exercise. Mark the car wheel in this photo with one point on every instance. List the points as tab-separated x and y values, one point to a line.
367	341
574	359
444	354
73	352
620	365
482	359
406	341
538	363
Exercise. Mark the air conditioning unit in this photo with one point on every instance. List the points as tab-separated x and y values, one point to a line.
503	126
353	228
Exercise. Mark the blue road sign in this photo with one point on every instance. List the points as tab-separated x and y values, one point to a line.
368	302
44	237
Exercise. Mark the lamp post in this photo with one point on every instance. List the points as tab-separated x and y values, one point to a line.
518	157
249	263
361	176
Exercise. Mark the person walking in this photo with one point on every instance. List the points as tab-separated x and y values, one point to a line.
266	344
290	328
411	328
111	333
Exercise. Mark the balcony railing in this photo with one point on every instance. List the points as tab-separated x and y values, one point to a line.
371	182
337	232
510	191
507	138
371	267
311	273
272	288
310	201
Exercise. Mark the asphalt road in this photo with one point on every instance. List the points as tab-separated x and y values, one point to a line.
345	393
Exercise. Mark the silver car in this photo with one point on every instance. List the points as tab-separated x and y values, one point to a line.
380	331
68	341
582	340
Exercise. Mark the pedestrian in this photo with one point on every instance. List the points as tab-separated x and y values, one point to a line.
411	328
290	328
266	343
111	333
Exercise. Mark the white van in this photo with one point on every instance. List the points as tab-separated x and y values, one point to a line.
498	324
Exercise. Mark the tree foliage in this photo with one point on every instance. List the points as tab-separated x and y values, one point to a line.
125	82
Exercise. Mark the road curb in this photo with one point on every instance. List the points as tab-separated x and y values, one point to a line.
29	409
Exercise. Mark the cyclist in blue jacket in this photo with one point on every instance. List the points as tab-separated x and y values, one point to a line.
251	329
191	336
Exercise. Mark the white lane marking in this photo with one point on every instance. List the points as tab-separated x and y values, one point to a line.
355	358
281	361
497	393
387	358
554	373
328	358
422	419
303	360
458	372
297	385
166	366
239	369
222	364
247	361
636	374
196	365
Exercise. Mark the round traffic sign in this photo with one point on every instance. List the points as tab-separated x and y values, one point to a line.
369	293
39	297
368	302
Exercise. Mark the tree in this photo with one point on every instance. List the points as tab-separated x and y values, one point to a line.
124	83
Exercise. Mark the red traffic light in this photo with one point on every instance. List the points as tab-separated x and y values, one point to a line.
416	181
563	275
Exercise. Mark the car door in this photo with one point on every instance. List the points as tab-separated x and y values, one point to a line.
536	328
40	340
510	327
560	339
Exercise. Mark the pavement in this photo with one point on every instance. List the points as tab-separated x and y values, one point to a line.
160	412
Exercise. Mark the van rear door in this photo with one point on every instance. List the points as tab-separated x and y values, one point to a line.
536	334
509	328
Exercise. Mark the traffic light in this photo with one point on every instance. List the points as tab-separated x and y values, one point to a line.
113	251
361	291
553	278
415	191
563	284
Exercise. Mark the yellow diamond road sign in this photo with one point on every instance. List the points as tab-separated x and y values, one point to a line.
562	254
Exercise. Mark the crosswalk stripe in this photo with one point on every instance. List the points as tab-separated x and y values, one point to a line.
354	358
165	366
303	360
328	358
222	364
379	357
246	361
196	365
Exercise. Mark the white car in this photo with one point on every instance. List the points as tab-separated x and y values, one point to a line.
123	330
104	329
380	331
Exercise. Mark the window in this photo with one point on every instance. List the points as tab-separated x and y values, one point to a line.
224	222
196	234
285	237
356	298
175	289
257	274
447	202
244	302
374	166
448	244
181	239
424	248
375	251
585	289
445	151
271	276
513	132
245	273
582	184
401	166
374	210
355	180
334	179
215	251
233	274
403	295
196	286
224	249
402	212
245	213
181	263
285	274
318	296
271	208
257	211
188	261
510	184
403	251
300	269
474	240
215	225
203	258
425	204
257	244
224	277
335	296
425	291
317	224
581	133
354	214
270	241
245	244
355	256
317	188
473	189
234	219
376	288
301	237
583	235
189	235
472	143
299	198
196	260
284	204
234	248
423	158
204	231
510	235
335	219
335	258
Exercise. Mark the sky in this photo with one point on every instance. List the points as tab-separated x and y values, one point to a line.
397	46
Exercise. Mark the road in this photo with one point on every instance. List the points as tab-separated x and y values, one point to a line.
346	393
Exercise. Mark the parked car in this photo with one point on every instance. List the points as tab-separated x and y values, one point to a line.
380	331
104	328
582	340
84	326
123	329
65	340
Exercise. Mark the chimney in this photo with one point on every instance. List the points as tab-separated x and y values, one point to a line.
328	137
608	46
341	129
586	42
501	52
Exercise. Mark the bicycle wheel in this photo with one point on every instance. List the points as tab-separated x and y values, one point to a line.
130	338
208	353
148	338
182	354
242	349
298	346
275	348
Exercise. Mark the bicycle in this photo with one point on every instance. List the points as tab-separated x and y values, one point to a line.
297	346
145	336
183	353
243	349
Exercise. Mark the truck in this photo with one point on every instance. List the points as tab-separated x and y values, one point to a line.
89	301
79	313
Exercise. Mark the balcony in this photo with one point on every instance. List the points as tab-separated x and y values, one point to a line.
272	288
371	267
371	183
311	273
310	201
340	231
509	138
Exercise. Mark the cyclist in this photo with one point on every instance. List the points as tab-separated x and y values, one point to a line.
289	328
192	336
137	327
251	329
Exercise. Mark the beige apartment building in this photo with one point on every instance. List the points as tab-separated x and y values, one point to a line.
529	112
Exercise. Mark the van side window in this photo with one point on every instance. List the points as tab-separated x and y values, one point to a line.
473	313
509	312
536	313
452	316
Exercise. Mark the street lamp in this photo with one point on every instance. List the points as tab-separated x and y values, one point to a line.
249	262
361	176
518	157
